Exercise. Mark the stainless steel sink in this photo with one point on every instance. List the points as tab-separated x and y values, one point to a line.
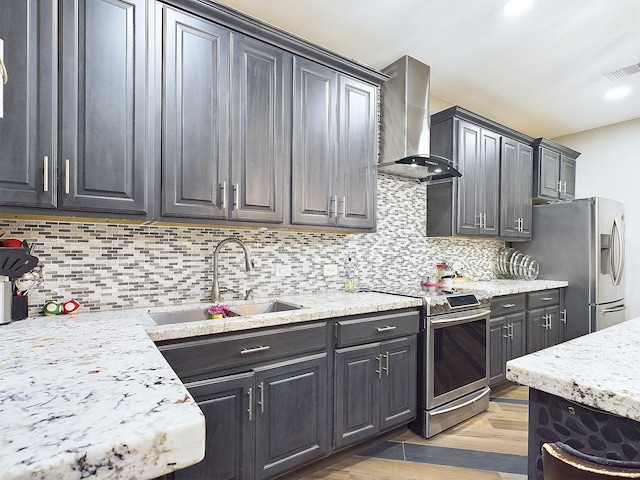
265	307
199	314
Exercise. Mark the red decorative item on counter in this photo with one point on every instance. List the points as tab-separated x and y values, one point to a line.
70	307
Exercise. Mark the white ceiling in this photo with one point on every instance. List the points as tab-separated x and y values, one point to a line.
541	73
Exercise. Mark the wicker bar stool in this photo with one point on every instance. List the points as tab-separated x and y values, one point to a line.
562	462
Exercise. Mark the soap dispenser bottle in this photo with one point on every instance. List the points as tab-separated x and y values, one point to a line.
350	275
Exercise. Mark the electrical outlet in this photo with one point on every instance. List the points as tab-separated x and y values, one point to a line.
283	270
330	270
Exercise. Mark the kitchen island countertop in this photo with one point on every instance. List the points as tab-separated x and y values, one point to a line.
599	370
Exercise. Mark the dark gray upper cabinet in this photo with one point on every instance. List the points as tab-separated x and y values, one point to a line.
260	130
314	144
357	155
334	148
489	199
516	167
195	106
554	171
28	130
103	106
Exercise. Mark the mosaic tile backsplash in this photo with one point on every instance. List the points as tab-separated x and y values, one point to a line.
109	266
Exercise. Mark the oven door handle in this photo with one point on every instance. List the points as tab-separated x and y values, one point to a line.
464	404
453	320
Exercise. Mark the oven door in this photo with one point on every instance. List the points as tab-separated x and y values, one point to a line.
458	356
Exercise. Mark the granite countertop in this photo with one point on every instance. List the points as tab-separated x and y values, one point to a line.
508	287
83	397
599	370
89	394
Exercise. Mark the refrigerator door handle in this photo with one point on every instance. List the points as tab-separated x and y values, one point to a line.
617	253
619	308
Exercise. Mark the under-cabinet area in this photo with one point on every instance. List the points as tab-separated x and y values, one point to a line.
276	399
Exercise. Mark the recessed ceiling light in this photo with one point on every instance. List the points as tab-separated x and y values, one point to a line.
516	7
618	92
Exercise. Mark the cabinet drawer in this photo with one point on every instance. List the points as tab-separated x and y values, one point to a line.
373	329
192	359
544	298
506	304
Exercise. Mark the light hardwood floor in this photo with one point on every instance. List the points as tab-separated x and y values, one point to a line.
489	446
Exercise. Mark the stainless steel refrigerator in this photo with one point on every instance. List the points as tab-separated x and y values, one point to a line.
582	241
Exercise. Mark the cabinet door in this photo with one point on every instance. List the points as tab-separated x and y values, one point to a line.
525	194
313	199
549	171
478	189
103	52
229	440
357	154
498	333
469	139
517	344
536	331
398	388
516	165
291	414
28	129
260	116
568	178
488	183
356	408
195	65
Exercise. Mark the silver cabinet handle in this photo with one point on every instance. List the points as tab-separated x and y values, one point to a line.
3	69
508	305
564	187
236	195
333	207
245	351
379	370
386	368
45	174
261	402
250	409
563	316
343	209
507	328
546	299
387	328
223	194
559	186
66	176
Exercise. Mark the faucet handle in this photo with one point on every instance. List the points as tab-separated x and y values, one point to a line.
249	294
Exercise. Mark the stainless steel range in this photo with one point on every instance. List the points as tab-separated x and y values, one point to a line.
453	357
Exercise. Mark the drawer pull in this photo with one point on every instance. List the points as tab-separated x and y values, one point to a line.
546	299
387	328
254	350
250	409
508	305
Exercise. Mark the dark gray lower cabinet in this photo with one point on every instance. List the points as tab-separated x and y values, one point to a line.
229	440
375	379
262	423
508	340
545	324
375	388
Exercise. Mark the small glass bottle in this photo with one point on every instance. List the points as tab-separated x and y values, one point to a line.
350	276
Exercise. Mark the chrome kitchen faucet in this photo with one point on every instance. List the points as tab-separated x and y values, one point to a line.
215	294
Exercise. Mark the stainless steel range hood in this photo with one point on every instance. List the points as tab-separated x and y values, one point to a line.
405	124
